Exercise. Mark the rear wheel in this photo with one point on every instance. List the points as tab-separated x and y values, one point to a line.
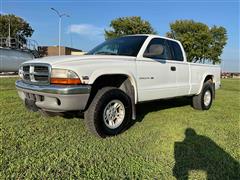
109	113
203	101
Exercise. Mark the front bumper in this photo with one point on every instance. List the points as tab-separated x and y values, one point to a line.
55	98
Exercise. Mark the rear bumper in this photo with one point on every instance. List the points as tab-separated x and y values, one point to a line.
55	98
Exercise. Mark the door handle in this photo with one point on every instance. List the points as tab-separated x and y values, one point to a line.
173	68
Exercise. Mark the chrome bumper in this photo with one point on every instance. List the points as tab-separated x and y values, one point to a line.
55	98
55	89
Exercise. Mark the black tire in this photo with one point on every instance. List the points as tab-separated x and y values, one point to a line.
198	100
94	115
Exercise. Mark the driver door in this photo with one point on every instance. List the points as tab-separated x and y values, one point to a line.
156	75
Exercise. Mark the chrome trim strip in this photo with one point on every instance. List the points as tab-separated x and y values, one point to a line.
39	74
55	89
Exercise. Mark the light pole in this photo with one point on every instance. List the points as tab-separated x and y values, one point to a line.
59	28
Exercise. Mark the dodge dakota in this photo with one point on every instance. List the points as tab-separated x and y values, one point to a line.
107	83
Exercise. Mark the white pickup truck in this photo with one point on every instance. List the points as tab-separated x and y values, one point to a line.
111	79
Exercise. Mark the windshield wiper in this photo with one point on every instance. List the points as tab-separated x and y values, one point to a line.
106	53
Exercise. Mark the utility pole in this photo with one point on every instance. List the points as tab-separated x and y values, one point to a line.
59	28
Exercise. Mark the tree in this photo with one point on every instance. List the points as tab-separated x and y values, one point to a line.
200	42
19	27
219	39
128	25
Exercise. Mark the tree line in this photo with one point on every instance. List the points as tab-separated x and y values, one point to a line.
201	42
19	28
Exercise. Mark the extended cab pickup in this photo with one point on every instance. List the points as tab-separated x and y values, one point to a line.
111	79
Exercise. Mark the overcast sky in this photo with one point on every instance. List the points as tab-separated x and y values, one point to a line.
85	28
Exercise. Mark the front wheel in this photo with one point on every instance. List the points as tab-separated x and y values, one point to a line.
109	113
203	101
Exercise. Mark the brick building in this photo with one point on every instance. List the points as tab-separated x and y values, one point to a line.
53	51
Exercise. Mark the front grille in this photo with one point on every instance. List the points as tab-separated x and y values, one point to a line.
42	69
36	73
26	68
26	77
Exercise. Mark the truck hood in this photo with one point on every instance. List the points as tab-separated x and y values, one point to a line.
57	60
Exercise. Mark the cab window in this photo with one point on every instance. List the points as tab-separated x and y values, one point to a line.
176	51
157	49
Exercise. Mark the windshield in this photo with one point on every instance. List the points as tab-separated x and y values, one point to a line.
125	46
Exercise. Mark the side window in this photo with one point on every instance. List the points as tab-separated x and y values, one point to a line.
176	51
158	49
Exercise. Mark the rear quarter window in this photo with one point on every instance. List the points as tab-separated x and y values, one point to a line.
176	51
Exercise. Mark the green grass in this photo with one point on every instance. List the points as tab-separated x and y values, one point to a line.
154	147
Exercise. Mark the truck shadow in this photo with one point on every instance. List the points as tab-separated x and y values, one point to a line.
144	108
197	153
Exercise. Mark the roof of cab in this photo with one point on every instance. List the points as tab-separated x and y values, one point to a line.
154	36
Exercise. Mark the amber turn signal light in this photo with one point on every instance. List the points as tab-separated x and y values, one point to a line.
66	81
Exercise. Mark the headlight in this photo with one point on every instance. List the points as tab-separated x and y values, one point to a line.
64	76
